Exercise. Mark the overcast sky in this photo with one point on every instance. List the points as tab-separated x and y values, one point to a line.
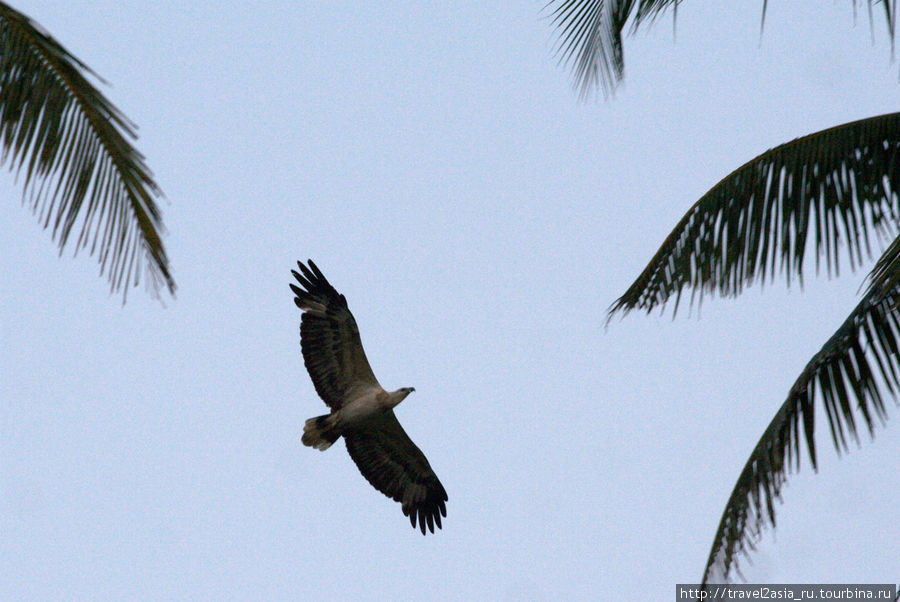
436	164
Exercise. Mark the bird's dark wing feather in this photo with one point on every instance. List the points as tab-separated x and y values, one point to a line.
392	463
329	338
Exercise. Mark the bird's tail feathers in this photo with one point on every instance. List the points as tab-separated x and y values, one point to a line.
320	432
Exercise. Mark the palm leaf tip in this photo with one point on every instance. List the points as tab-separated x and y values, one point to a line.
590	42
71	144
590	38
849	375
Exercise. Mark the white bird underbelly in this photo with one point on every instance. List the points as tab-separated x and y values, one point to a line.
363	408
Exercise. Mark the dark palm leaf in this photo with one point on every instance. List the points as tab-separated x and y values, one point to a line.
849	374
590	43
67	139
830	188
590	35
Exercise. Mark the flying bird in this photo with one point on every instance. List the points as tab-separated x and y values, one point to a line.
361	410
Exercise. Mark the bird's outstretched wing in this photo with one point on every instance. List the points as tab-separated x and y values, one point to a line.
329	338
392	463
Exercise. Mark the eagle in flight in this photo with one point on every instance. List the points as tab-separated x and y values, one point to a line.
361	410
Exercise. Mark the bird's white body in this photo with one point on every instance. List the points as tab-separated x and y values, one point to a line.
364	407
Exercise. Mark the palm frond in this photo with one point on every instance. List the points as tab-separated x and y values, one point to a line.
850	374
70	143
590	41
830	189
590	35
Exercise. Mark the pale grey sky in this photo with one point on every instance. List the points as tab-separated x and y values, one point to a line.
437	166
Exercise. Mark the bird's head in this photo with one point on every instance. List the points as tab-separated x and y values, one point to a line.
400	394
